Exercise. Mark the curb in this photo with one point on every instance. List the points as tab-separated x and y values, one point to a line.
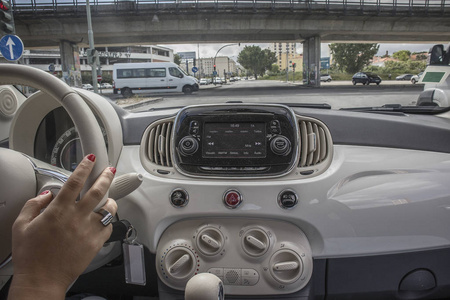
142	103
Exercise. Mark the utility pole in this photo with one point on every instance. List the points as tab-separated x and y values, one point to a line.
92	54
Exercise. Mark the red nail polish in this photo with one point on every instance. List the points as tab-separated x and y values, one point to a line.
45	192
91	157
113	170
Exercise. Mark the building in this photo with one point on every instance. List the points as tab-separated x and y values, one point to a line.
284	52
225	66
51	58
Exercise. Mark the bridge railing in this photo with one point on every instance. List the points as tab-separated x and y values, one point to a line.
391	7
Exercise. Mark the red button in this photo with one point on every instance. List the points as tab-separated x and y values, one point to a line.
232	199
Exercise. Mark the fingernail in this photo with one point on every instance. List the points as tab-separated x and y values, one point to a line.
113	170
45	192
91	157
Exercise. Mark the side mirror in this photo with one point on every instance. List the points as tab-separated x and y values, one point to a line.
181	76
436	55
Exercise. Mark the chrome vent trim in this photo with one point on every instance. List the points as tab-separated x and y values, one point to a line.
158	143
316	145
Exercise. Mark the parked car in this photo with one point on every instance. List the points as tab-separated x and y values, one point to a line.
325	77
217	80
416	78
366	78
203	81
404	77
106	85
87	86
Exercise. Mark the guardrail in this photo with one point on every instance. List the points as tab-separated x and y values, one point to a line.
376	7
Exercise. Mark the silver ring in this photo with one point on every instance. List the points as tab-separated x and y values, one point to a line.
107	216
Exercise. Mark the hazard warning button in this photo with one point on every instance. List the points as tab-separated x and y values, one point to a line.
232	198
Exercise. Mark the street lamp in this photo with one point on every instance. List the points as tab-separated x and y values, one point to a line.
239	44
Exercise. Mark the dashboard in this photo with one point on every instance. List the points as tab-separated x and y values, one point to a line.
277	201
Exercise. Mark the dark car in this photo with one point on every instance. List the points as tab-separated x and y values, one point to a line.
366	78
404	77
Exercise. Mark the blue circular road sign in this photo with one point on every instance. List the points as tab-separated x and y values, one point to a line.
195	69
11	47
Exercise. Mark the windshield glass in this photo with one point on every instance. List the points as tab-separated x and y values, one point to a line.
249	51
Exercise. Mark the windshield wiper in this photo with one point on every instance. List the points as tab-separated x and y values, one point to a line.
397	108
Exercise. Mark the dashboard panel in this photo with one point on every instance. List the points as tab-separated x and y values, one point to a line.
357	195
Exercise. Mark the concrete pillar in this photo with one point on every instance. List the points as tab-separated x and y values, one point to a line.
70	63
311	61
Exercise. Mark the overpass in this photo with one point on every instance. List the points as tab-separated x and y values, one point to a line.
43	23
50	23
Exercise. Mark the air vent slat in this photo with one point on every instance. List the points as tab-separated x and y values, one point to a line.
151	142
159	150
323	144
318	145
311	144
304	143
167	148
155	148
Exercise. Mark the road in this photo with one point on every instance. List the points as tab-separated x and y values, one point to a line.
338	95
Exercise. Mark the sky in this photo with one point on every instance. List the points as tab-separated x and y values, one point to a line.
210	50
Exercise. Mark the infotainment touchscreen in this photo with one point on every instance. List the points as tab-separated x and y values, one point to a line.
234	140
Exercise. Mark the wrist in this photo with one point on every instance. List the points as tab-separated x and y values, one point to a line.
36	287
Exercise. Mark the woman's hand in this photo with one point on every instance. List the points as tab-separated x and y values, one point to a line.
51	249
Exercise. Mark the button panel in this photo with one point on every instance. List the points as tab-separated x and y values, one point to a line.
234	276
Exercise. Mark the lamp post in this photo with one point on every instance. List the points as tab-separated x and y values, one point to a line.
216	56
92	51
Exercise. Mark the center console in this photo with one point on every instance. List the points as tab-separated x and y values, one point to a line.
236	141
250	256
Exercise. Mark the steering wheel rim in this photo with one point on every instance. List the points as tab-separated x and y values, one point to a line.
84	120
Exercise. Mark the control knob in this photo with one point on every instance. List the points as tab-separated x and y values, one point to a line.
188	145
280	145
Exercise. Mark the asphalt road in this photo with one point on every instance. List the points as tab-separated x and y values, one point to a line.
337	94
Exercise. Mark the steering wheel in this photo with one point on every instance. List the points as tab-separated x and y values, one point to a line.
18	174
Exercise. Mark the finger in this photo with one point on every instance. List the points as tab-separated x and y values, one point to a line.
33	208
73	186
98	190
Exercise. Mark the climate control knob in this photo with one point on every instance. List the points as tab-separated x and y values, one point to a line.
188	145
280	145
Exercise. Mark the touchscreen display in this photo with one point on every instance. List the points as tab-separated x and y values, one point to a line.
234	140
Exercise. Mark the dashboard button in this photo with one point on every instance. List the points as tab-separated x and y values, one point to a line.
287	199
249	277
179	197
232	198
216	271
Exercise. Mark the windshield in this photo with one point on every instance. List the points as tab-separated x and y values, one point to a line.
283	58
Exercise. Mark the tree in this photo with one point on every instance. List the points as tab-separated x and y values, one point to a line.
275	69
255	60
402	55
352	58
177	59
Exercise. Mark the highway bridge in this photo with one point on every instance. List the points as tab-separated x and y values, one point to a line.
122	22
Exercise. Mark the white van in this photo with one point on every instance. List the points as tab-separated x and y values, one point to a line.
158	77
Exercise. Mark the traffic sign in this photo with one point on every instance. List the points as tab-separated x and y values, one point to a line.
11	47
195	69
99	77
215	73
51	68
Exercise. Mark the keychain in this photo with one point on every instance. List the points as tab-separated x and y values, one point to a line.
133	256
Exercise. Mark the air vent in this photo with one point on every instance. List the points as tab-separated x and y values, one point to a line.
315	142
158	144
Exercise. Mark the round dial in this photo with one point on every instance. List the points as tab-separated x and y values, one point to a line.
179	263
210	241
255	242
286	266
